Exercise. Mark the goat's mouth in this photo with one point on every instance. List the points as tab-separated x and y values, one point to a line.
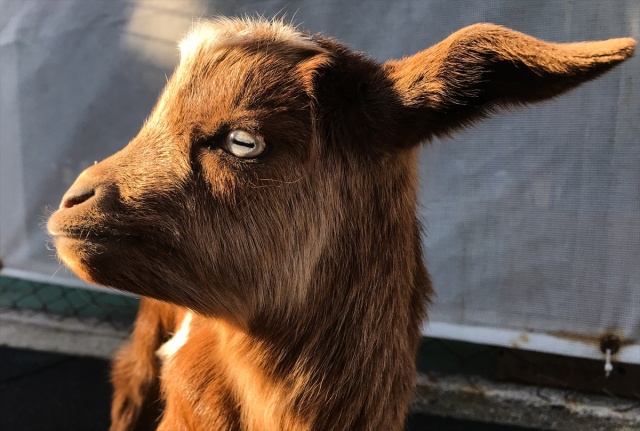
87	241
92	234
62	227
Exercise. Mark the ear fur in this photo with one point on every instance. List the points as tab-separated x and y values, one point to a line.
484	67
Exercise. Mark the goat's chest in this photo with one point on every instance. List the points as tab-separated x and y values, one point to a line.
194	387
210	381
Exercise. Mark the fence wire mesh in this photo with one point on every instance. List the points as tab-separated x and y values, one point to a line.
62	302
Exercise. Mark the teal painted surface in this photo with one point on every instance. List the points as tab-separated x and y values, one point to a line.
63	301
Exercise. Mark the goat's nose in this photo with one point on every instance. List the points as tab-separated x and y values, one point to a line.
76	195
85	187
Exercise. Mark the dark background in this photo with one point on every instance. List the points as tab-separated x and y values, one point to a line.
50	392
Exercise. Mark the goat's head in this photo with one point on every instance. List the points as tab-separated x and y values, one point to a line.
269	149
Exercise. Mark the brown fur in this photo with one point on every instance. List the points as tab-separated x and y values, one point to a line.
302	268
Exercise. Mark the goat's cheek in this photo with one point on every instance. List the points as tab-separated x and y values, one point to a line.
221	179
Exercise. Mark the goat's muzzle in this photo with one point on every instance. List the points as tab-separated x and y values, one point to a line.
83	226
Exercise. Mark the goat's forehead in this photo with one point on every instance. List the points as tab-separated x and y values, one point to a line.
221	32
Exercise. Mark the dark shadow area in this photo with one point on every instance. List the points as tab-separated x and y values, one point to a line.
54	392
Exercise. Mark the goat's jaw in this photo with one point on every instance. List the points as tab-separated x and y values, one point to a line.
139	261
81	250
120	262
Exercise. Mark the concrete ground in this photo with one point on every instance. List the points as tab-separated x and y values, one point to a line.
50	392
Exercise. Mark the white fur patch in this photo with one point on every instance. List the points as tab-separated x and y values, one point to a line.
168	349
230	31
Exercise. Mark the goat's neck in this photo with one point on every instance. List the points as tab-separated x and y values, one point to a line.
346	360
349	368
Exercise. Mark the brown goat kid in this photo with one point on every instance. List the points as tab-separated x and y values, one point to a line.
266	213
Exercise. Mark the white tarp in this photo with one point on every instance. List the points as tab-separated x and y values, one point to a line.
532	218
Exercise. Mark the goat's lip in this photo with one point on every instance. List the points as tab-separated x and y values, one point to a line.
90	234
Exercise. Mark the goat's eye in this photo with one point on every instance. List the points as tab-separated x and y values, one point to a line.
244	144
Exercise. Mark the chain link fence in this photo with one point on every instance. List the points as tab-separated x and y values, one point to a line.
61	302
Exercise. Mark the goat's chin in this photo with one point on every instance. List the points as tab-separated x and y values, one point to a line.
68	253
97	260
77	254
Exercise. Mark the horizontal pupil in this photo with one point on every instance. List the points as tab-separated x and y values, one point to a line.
243	144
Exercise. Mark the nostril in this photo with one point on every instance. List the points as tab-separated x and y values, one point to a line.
76	198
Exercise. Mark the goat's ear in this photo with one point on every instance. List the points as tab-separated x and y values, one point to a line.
484	66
